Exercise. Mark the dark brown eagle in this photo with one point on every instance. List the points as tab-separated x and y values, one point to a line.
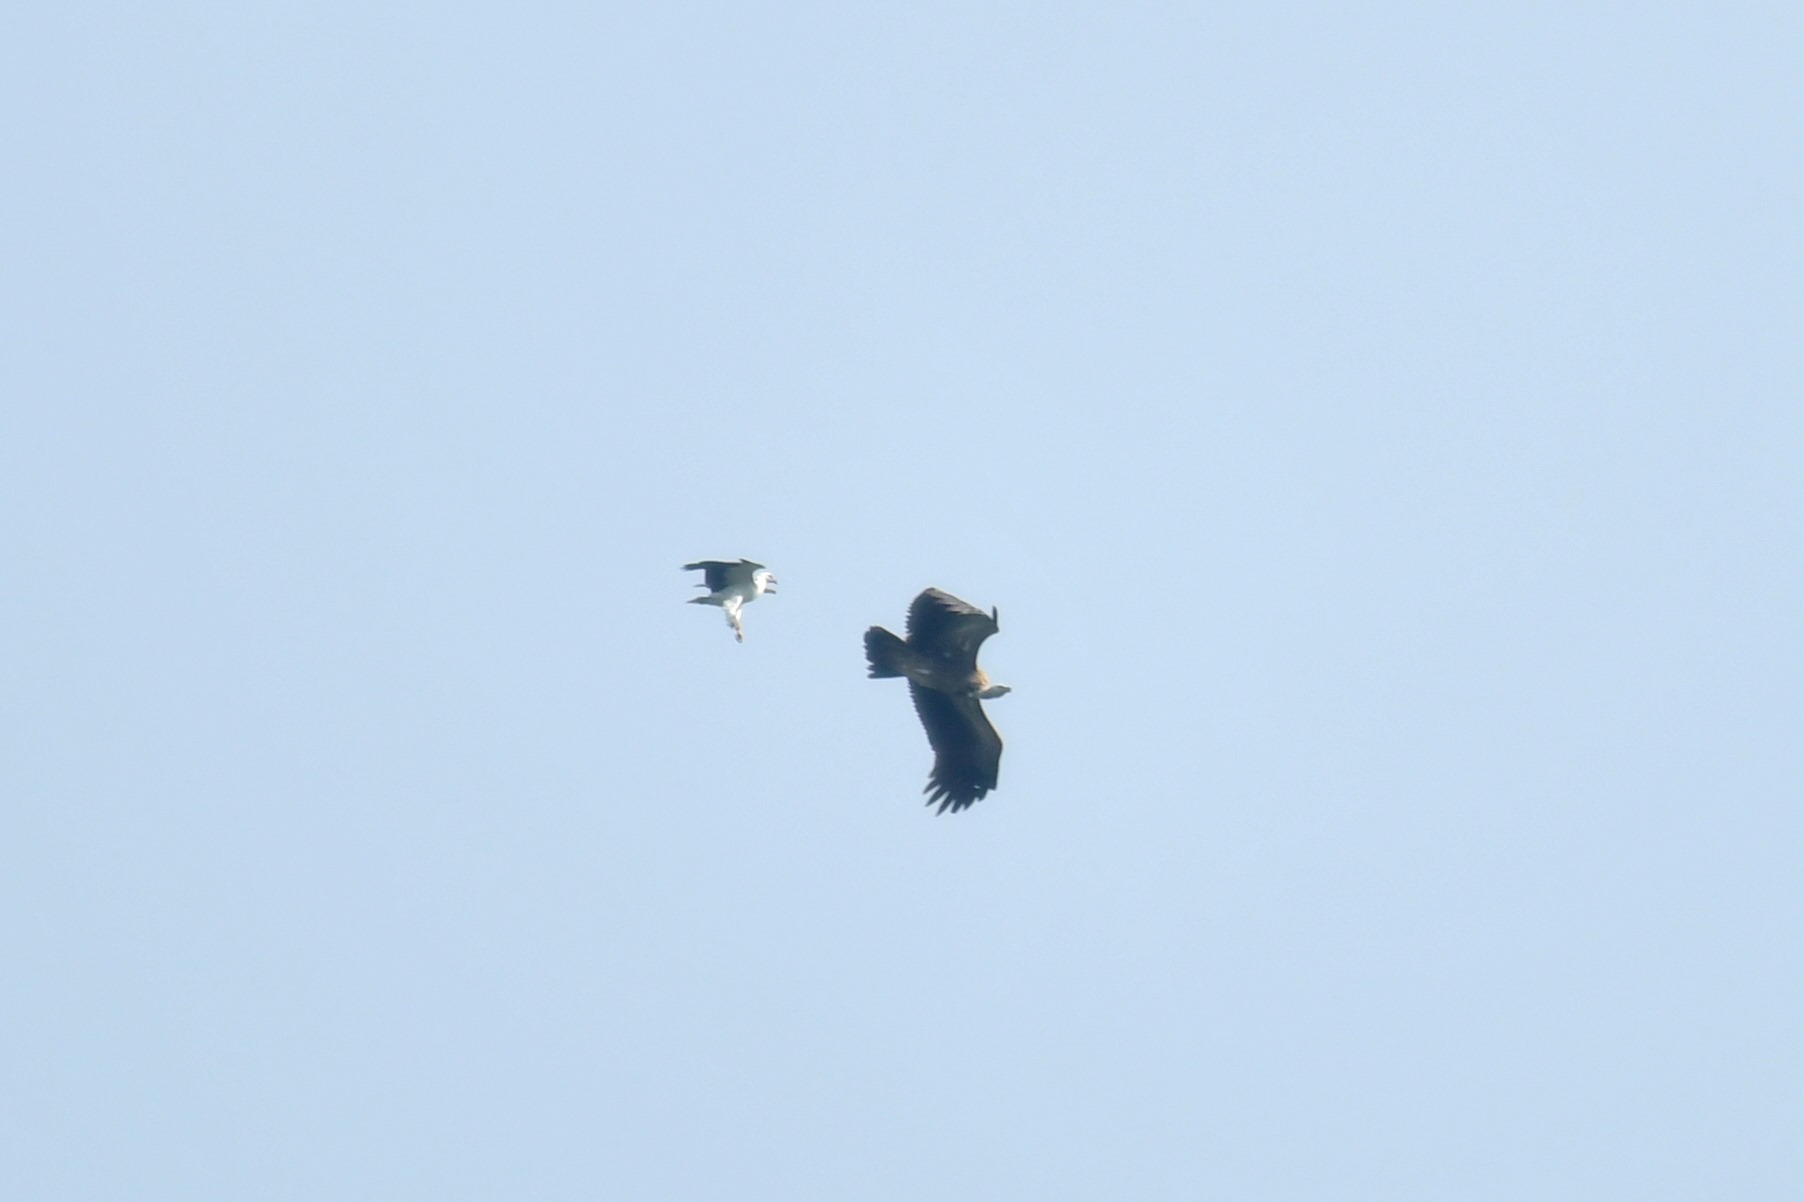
939	658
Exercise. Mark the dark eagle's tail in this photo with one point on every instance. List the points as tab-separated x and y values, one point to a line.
885	651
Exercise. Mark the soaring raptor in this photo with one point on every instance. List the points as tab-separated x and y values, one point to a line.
939	658
732	586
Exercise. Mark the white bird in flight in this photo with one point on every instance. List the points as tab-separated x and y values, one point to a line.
732	586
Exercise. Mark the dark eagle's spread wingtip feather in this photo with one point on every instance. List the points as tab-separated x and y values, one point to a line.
950	800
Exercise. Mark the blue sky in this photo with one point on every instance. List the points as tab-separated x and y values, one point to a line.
1380	432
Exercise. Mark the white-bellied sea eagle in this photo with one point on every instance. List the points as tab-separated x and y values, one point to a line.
732	586
939	658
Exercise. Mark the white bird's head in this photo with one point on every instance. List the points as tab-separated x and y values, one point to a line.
764	581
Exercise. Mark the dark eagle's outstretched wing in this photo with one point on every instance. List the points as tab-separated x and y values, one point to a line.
967	751
717	574
939	623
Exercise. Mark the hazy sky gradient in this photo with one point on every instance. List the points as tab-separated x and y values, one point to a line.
1380	431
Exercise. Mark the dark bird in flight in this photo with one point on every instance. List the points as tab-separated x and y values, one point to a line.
732	586
939	658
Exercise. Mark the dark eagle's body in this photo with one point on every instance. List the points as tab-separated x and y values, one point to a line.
939	660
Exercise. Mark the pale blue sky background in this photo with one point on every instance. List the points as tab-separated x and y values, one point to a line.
1379	425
